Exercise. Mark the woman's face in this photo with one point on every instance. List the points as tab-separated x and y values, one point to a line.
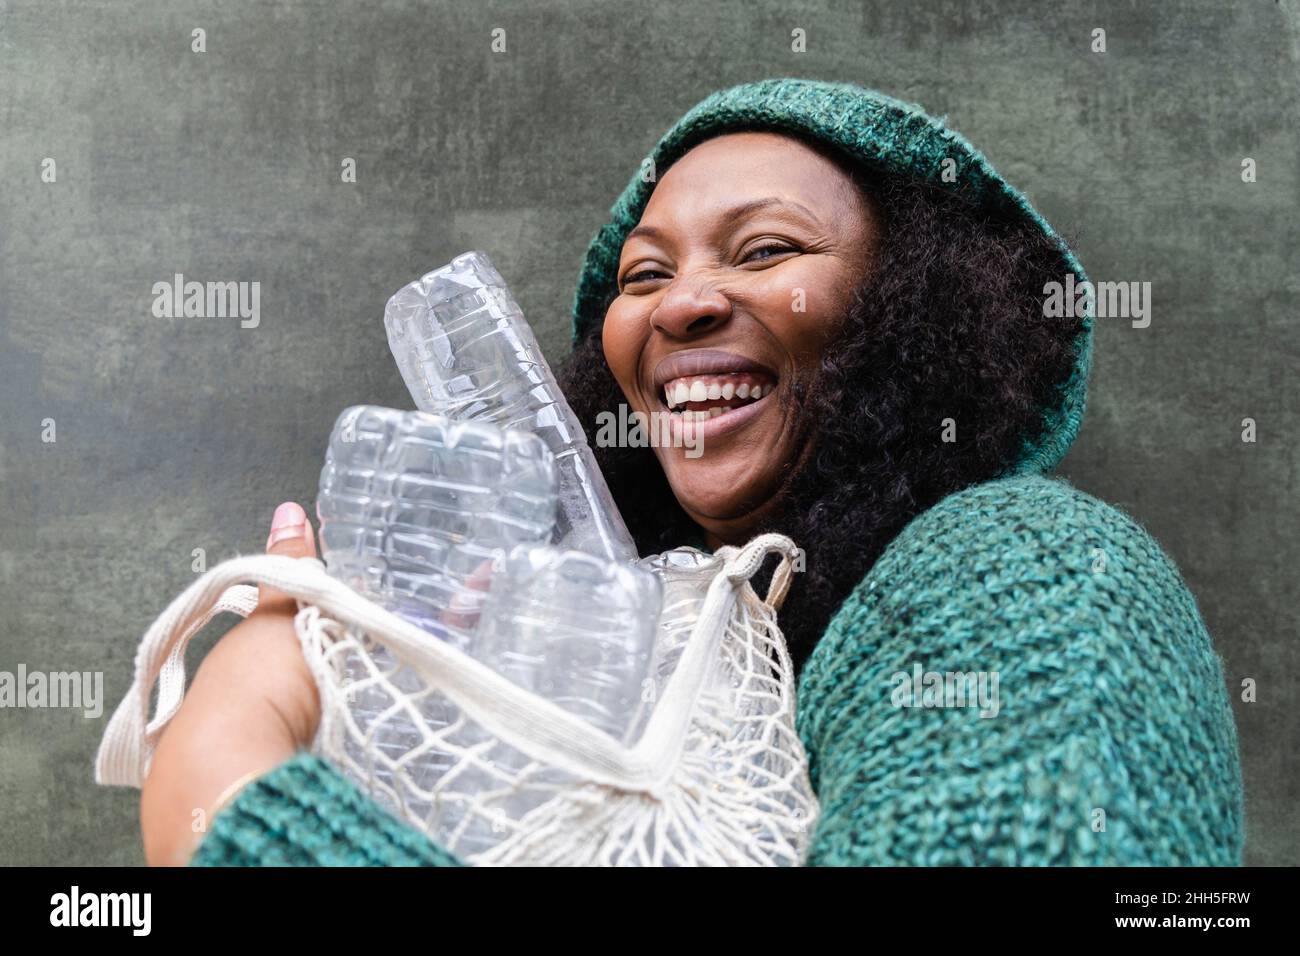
730	289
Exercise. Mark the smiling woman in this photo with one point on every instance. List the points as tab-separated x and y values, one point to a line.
846	302
894	329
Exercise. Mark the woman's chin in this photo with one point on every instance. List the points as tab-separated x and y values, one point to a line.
725	509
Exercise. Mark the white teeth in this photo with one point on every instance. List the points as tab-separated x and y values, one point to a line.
681	391
702	416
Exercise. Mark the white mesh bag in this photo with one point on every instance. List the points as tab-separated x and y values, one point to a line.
718	776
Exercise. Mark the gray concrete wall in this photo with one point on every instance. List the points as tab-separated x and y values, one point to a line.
179	434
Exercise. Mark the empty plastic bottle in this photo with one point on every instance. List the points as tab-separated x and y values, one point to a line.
684	575
413	510
575	629
466	352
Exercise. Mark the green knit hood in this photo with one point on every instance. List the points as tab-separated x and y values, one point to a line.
877	131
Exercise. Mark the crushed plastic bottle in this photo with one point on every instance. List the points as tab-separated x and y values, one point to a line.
684	575
575	629
413	510
465	351
448	519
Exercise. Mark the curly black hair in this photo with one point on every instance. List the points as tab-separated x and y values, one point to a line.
948	324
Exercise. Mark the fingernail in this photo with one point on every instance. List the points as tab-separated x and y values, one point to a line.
289	521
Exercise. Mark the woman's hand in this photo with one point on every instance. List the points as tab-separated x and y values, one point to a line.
252	705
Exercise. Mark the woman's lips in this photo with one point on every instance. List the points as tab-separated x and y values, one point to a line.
700	363
710	392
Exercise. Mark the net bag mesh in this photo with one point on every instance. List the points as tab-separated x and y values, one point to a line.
727	787
717	775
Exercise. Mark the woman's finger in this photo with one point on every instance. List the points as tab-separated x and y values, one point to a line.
292	536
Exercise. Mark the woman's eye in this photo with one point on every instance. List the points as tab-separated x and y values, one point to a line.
760	254
643	275
771	249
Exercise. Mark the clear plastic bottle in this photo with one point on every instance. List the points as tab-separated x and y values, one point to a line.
575	629
413	510
465	351
684	575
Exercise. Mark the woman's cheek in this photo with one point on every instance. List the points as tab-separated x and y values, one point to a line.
622	339
812	327
805	300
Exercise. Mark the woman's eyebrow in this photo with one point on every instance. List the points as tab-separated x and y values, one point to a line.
740	211
758	205
649	232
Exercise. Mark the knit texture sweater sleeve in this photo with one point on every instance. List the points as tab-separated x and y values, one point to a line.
1108	738
305	813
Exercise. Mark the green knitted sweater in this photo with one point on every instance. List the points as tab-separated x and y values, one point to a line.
1113	740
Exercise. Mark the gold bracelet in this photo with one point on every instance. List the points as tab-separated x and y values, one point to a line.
228	795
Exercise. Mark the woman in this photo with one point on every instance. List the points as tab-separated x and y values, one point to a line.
847	303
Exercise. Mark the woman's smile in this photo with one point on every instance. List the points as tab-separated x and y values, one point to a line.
710	392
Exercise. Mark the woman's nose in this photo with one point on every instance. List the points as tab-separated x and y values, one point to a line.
689	309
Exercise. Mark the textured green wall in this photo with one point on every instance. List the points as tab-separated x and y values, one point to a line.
182	434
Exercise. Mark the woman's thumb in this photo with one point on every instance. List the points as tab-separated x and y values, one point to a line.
292	537
291	533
